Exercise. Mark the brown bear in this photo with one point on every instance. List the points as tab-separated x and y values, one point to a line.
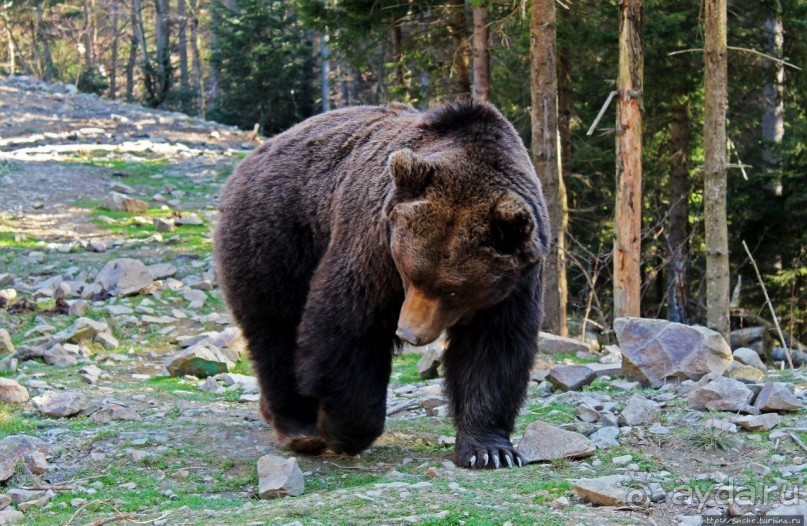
367	223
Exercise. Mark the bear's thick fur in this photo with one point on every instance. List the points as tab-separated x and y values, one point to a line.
367	222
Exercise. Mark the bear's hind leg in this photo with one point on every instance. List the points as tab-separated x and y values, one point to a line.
293	417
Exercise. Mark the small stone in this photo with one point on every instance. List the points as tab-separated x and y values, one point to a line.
432	473
114	413
638	410
163	225
210	385
124	277
759	469
625	385
624	459
11	516
107	341
777	397
78	308
720	425
279	477
618	490
118	202
58	404
162	270
201	360
90	374
571	377
587	414
545	442
196	298
6	345
36	462
11	392
658	429
764	422
718	393
82	329
430	360
552	344
561	503
744	373
189	219
747	356
605	437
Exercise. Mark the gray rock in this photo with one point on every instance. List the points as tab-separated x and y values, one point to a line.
58	356
764	422
544	442
657	351
247	384
744	373
755	338
11	392
58	404
720	425
163	225
90	374
15	447
124	277
107	341
639	410
118	202
6	345
197	298
605	437
430	360
587	413
279	477
799	510
201	360
571	377
777	396
718	393
78	308
162	270
747	356
82	329
114	413
11	516
618	490
552	344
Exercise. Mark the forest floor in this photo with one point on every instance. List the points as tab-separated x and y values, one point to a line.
189	456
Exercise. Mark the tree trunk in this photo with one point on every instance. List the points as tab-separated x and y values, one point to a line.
544	87
773	118
678	236
397	53
714	183
87	36
182	52
46	71
196	59
113	68
132	60
140	32
628	221
325	72
565	105
458	29
12	62
162	37
481	53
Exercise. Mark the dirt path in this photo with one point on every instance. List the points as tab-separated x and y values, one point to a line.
176	450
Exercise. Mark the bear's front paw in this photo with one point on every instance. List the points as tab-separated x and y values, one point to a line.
487	452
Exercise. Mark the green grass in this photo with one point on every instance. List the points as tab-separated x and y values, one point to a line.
405	370
13	422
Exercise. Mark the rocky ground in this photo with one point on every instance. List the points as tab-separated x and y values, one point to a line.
125	396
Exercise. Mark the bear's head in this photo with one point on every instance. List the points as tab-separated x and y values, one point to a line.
460	239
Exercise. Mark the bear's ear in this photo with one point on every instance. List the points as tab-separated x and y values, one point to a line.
512	224
411	172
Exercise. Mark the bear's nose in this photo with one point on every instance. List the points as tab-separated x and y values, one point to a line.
408	336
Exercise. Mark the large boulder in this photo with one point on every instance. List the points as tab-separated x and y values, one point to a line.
655	352
11	392
279	477
59	404
124	277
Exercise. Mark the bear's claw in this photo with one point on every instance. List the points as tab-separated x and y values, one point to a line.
495	454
